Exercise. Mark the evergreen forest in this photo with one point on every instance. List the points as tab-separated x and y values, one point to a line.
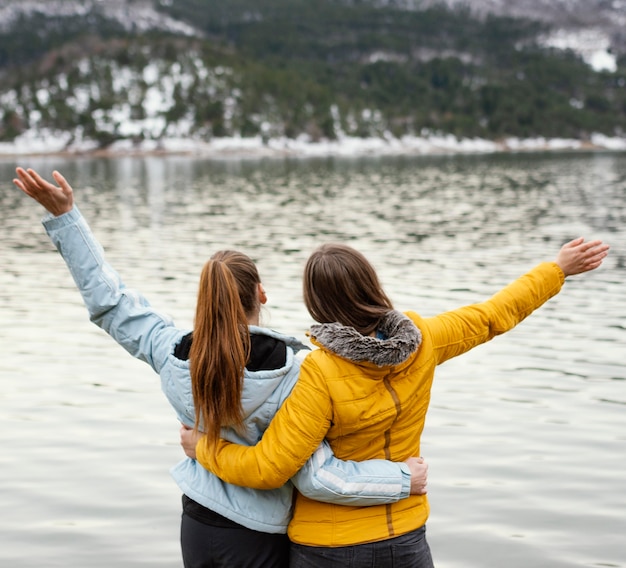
297	67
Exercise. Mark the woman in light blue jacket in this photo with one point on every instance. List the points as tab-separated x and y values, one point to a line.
222	524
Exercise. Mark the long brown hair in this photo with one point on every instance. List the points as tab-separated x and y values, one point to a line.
340	285
220	347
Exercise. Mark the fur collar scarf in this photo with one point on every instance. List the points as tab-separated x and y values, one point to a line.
402	339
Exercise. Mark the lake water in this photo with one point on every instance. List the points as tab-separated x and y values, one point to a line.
526	436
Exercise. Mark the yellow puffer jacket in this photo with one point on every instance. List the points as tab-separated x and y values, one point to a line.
370	410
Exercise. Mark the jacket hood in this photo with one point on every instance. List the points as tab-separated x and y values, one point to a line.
258	386
401	340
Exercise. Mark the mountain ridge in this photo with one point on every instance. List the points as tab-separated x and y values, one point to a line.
98	72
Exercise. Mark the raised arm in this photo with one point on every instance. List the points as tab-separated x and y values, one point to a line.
123	313
458	331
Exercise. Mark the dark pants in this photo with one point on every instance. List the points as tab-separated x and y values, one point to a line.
407	551
208	540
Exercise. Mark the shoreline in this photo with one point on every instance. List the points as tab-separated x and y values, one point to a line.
56	144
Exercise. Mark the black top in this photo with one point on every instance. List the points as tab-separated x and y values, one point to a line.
266	352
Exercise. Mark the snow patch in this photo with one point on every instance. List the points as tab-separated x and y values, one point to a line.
176	140
132	15
593	45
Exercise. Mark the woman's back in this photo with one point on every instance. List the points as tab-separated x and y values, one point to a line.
378	409
267	383
369	398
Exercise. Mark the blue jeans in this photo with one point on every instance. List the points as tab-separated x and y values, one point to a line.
407	551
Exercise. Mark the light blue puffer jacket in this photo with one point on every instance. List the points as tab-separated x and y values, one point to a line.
152	337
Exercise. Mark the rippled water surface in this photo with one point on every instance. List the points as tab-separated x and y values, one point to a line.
526	436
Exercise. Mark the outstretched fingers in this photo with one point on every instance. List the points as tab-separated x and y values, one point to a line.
56	199
24	181
38	180
579	256
65	186
30	181
596	254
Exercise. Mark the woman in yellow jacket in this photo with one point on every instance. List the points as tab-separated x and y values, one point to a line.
366	390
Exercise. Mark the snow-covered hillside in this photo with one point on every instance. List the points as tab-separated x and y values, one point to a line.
171	105
592	28
138	15
595	29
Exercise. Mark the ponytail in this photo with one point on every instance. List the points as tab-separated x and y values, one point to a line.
219	351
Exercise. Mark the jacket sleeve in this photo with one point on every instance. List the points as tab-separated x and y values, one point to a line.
372	482
123	313
456	332
293	435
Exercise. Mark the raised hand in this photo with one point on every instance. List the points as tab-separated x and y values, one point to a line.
579	256
56	199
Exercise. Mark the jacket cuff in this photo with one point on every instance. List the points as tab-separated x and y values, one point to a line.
559	270
52	222
406	480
